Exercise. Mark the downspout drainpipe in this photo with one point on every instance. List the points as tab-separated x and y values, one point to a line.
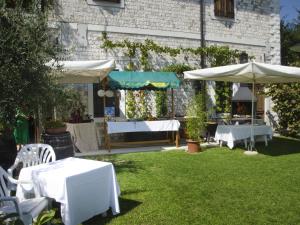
202	23
203	56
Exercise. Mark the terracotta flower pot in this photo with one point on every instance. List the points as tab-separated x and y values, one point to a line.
193	146
57	130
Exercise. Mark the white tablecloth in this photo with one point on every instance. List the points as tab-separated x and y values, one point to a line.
84	188
232	133
84	136
140	126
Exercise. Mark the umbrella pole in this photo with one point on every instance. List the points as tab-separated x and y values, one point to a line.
252	118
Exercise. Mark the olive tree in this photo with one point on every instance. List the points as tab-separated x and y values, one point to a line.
26	45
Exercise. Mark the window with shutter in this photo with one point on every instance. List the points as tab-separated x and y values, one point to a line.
224	8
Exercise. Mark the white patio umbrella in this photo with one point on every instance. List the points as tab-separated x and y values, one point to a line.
252	72
89	71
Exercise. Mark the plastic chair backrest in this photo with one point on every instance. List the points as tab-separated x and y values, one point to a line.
33	154
4	180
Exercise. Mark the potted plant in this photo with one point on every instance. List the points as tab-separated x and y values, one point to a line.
195	122
55	127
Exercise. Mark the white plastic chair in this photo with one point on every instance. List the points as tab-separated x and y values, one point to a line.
33	154
27	209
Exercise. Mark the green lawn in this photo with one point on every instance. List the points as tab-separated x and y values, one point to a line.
217	186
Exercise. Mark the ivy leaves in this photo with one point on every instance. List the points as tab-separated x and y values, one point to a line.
216	55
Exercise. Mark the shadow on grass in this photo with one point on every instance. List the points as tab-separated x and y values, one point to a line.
280	146
126	205
120	165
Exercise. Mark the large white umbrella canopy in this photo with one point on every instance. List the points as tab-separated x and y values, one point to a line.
252	72
91	71
247	73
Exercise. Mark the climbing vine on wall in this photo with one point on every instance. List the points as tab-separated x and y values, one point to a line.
215	55
130	105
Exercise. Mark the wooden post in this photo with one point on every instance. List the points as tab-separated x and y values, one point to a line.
172	94
106	135
173	114
177	139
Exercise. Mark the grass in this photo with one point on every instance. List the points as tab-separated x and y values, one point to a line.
217	186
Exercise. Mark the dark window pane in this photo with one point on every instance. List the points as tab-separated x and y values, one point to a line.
98	102
224	8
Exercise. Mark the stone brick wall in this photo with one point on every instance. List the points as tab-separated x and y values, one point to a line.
171	22
255	28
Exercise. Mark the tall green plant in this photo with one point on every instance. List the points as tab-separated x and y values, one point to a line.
130	105
196	118
26	46
286	97
161	103
223	97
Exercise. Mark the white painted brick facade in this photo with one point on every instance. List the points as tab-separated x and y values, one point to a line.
255	28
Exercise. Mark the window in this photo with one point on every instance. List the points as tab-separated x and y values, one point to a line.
224	8
109	102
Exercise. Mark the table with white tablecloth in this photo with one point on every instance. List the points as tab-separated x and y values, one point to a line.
234	133
143	126
84	188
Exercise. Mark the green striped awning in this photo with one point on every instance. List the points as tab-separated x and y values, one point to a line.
130	80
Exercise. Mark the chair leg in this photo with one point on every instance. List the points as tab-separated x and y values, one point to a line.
221	143
27	219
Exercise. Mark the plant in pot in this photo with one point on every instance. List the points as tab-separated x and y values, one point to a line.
55	127
195	123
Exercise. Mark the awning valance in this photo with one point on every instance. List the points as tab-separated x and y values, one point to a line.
142	80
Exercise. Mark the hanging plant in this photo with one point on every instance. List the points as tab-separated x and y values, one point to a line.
130	105
161	103
223	97
143	109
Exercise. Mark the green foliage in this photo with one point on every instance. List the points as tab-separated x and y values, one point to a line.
196	118
143	110
54	124
177	68
223	95
45	217
223	56
26	45
216	55
130	105
12	218
286	98
161	103
290	36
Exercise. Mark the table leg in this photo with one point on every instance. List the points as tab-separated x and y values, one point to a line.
221	143
266	140
245	143
173	138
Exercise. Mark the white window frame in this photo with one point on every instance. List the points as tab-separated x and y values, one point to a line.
106	4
